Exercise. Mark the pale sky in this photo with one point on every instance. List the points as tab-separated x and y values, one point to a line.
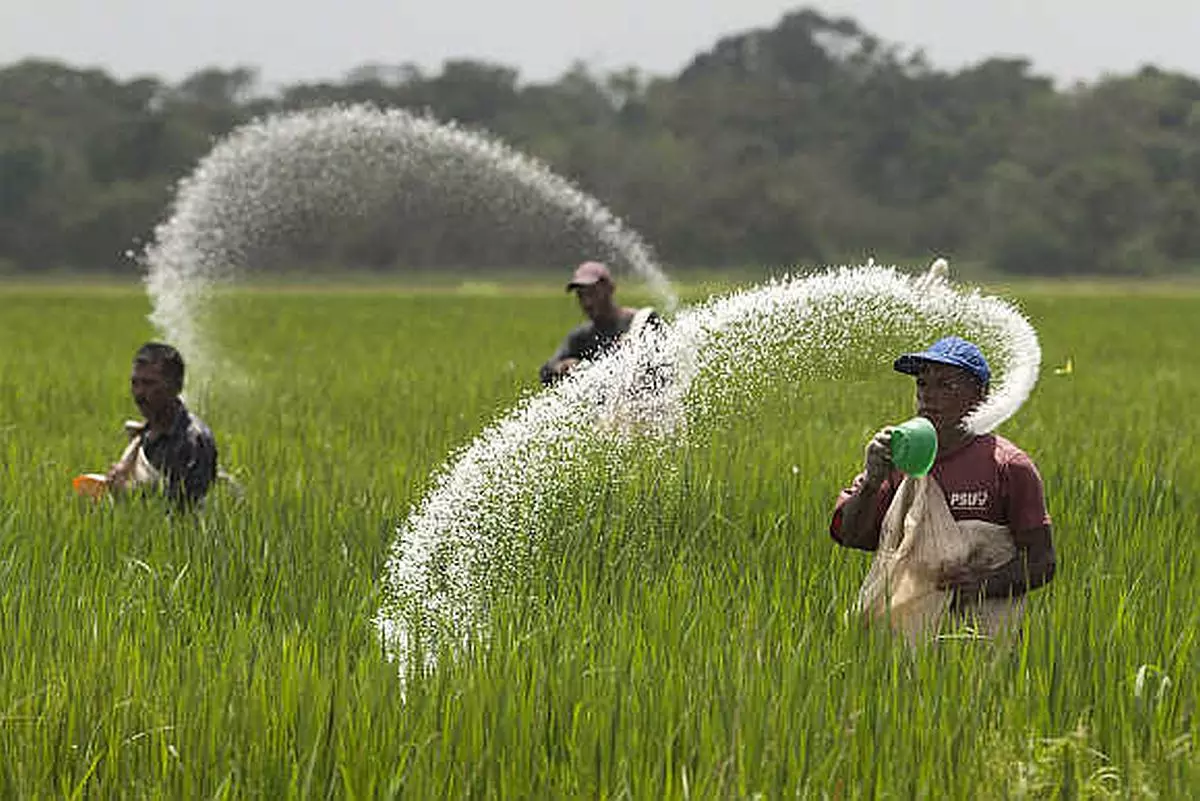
301	40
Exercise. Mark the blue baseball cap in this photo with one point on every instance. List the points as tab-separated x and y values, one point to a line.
954	351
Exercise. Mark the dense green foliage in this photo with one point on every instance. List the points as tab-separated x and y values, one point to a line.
808	141
682	637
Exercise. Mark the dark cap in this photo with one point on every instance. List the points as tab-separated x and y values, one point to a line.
954	351
588	273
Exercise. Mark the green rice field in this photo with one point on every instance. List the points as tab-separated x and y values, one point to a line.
682	634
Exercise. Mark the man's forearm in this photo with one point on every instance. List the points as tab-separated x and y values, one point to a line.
860	528
1026	571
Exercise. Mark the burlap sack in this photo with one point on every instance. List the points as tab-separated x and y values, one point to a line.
143	474
919	539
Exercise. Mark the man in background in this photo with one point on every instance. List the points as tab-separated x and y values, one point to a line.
607	323
172	449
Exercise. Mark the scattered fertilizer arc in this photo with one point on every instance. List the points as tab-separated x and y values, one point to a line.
271	182
467	535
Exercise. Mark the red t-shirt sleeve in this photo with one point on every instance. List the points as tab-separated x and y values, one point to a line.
882	500
1025	494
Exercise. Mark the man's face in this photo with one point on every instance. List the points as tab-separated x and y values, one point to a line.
946	395
595	299
152	392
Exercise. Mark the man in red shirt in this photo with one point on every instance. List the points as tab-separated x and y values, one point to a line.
984	477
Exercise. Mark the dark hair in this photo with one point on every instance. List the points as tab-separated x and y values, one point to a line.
167	358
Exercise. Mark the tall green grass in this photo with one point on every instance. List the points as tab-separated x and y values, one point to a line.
682	635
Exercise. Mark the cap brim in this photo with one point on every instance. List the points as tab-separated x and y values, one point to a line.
578	284
910	363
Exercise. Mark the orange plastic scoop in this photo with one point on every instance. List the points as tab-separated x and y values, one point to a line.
91	485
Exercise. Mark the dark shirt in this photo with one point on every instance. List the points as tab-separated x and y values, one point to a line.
588	341
186	456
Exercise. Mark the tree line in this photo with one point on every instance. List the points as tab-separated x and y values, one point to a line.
810	141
